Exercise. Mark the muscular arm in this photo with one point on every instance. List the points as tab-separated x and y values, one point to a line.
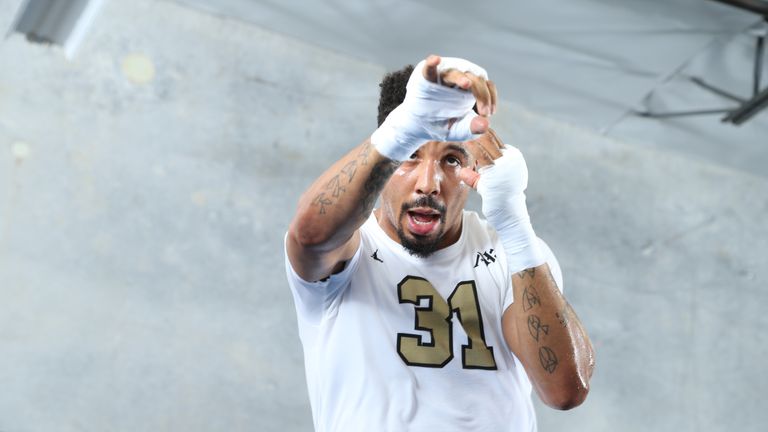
544	332
323	233
540	327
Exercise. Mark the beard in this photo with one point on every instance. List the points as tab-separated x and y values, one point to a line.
421	246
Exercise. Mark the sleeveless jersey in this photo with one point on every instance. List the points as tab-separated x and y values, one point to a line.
396	342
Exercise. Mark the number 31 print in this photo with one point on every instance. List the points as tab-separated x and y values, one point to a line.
436	319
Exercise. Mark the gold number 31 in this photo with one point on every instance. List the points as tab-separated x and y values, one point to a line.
435	318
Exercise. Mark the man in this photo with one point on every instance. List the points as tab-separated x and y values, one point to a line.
419	315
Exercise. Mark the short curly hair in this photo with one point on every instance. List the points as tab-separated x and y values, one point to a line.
392	91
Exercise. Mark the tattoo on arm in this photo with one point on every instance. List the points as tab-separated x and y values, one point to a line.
322	201
527	272
530	298
535	327
337	185
349	170
334	185
365	153
548	359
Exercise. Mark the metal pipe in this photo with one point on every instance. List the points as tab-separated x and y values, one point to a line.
748	109
649	114
756	6
758	70
701	83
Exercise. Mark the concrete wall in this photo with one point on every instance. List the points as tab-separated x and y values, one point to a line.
145	187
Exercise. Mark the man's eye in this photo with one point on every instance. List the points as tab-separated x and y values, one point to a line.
453	161
414	156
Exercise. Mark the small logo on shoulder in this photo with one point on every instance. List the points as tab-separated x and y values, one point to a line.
485	257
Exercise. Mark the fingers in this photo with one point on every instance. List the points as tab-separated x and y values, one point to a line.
479	125
482	156
496	141
469	176
455	78
482	94
485	150
494	95
467	127
430	68
483	90
490	144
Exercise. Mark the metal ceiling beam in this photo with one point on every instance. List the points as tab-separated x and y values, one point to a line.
748	109
759	7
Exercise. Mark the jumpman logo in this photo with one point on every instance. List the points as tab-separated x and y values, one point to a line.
376	257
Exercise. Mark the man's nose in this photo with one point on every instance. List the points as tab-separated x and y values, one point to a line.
430	177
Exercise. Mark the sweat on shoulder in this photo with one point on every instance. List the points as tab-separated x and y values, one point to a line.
419	314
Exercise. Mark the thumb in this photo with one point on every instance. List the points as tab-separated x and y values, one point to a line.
479	125
430	68
468	127
470	177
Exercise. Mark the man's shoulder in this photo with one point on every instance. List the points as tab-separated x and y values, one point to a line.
474	224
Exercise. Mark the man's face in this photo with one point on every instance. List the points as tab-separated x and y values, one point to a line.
421	205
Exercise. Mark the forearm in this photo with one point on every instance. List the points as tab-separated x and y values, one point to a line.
341	199
549	339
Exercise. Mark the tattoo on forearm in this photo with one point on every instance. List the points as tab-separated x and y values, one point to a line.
349	170
527	272
536	328
548	359
530	298
365	153
334	185
337	185
322	201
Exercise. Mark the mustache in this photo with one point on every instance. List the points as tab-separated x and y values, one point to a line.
424	201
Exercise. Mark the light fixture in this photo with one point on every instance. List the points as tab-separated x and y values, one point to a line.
58	22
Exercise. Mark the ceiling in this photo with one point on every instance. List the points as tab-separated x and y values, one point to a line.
591	63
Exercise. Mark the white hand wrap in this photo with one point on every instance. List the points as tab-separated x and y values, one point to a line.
426	112
502	186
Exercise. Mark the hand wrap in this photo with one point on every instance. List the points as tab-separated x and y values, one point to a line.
502	186
426	113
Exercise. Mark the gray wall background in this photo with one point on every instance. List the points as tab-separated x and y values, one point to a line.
142	217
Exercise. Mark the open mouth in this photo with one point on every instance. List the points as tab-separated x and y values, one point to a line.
423	221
